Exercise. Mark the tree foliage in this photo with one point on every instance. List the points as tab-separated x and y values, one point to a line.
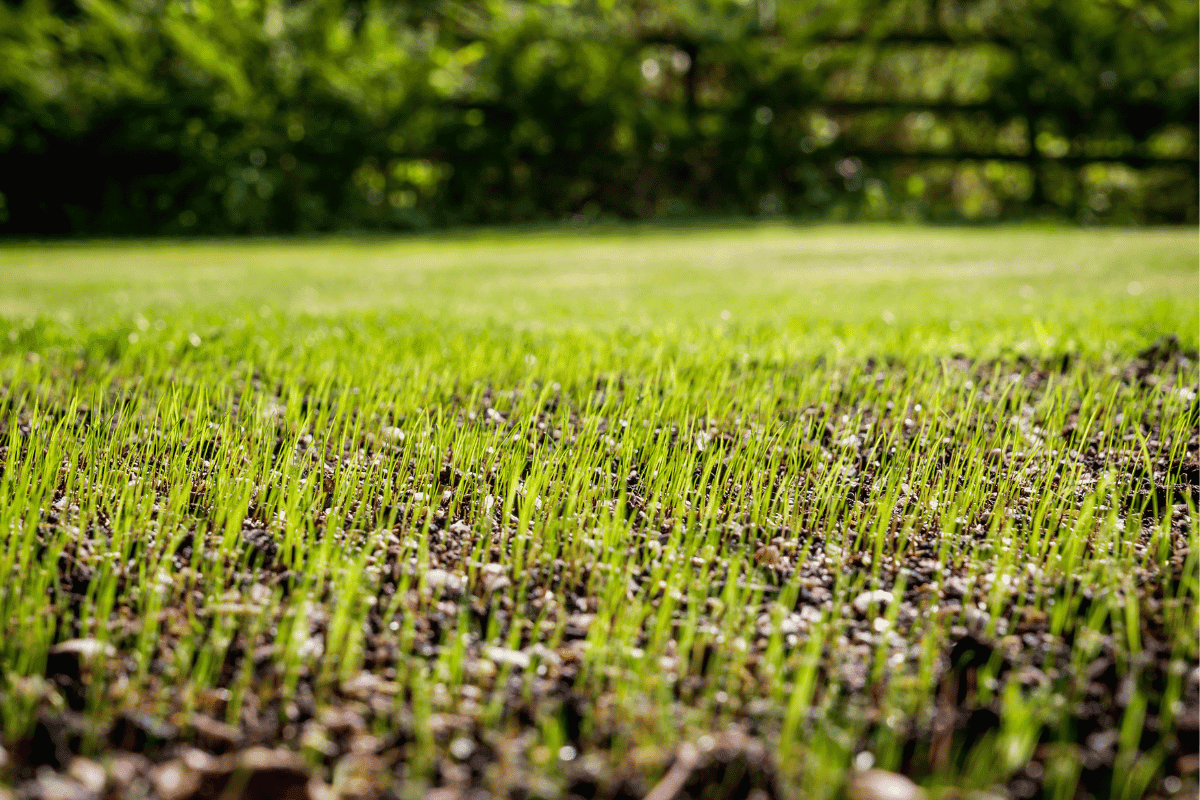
221	116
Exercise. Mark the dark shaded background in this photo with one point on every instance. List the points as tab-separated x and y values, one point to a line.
250	116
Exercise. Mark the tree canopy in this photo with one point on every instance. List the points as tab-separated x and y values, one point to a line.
228	116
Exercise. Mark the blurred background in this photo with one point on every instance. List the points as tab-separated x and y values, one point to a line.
202	117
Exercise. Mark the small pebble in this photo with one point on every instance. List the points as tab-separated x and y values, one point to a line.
878	784
461	748
881	598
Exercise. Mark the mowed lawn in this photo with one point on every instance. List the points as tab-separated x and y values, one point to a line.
602	514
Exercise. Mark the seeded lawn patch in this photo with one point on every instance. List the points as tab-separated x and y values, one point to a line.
763	512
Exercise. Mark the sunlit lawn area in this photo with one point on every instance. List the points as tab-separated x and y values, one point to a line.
528	511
